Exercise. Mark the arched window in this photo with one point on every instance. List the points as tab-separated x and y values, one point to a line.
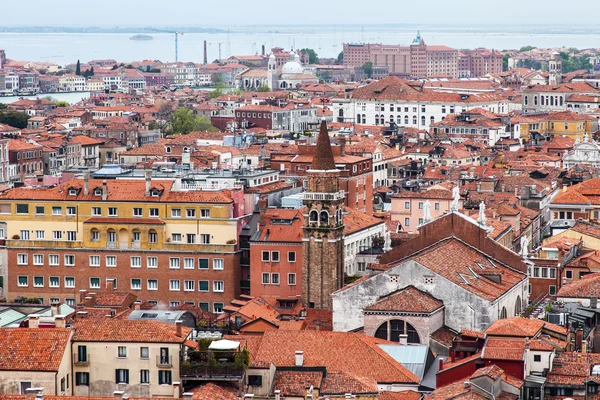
391	330
526	99
414	120
561	100
168	149
399	120
313	216
111	237
535	101
364	118
542	98
551	100
358	119
431	120
324	217
518	306
152	236
502	313
376	119
406	120
95	235
391	118
341	113
423	120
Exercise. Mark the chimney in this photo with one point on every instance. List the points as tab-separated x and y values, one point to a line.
565	187
148	176
110	285
441	364
104	190
263	49
593	302
90	300
578	339
177	183
54	308
34	321
299	358
467	384
342	144
188	395
403	339
118	394
452	356
205	58
263	205
185	157
178	331
82	293
86	183
584	347
81	314
60	321
277	392
137	305
176	389
35	392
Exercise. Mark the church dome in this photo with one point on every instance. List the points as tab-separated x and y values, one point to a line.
292	67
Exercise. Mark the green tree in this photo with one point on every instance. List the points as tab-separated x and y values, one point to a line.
62	103
368	69
505	62
325	76
219	90
263	89
78	68
183	121
313	57
14	118
526	48
340	58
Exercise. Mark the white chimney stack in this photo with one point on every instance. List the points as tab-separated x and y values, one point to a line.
187	396
148	176
118	394
299	358
104	190
403	339
86	183
277	394
34	321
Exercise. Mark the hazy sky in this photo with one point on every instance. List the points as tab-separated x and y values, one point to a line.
300	12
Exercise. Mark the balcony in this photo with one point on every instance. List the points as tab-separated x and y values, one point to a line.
81	360
245	260
245	284
111	245
44	243
324	196
164	361
208	365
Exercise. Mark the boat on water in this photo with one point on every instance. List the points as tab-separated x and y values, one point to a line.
141	37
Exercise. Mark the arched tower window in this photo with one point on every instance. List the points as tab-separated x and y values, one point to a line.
313	216
324	217
518	306
503	313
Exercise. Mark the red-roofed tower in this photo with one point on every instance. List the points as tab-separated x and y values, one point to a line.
323	231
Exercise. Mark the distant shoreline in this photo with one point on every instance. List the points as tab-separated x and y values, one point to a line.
96	30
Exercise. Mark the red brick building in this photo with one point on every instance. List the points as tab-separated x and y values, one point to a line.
27	157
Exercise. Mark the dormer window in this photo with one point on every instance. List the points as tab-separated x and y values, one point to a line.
72	192
154	192
168	149
97	192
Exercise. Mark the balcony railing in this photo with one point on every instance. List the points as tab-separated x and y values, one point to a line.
81	360
164	361
111	245
204	371
324	196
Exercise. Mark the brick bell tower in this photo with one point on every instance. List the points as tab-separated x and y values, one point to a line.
323	230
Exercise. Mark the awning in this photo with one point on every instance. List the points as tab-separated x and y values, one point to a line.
224	345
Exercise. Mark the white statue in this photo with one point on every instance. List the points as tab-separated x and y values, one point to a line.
577	141
455	198
387	246
427	212
482	219
524	246
585	138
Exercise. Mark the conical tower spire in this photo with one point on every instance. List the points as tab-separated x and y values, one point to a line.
323	160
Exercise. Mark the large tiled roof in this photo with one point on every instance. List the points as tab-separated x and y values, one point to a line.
570	197
515	327
586	287
504	349
24	349
119	330
409	299
213	391
275	231
355	221
337	383
404	395
296	383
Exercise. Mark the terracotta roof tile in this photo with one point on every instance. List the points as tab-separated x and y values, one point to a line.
409	299
323	159
213	391
24	349
296	383
515	327
116	330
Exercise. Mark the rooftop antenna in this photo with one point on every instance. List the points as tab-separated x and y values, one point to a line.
177	45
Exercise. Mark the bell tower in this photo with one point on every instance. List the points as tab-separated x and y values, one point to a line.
555	69
323	230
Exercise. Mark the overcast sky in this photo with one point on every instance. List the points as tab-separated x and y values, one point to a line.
300	12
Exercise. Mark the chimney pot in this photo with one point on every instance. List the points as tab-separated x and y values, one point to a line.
178	330
60	321
299	358
118	394
403	339
34	321
277	394
86	183
104	190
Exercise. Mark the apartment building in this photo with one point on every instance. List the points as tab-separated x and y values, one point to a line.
159	239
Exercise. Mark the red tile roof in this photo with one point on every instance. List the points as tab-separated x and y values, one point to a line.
405	395
117	330
296	383
515	327
213	391
323	159
24	349
586	287
409	299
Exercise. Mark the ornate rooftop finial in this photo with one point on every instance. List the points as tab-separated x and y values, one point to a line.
323	159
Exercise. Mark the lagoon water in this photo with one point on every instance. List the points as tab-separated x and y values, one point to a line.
64	48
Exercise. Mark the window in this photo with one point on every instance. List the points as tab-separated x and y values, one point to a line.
152	236
23	281
153	212
144	376
122	352
97	211
291	256
69	260
266	278
218	286
152	284
552	290
71	236
266	256
22	259
95	235
254	380
40	234
203	286
204	213
569	274
24	235
57	235
122	376
94	261
69	282
204	306
544	272
203	263
190	238
437	206
136	284
406	221
275	278
22	208
56	210
174	263
71	211
164	377
144	352
536	272
407	205
190	213
174	285
38	281
204	238
275	256
218	263
94	283
537	357
188	286
82	378
38	259
218	308
136	262
420	205
188	263
176	212
54	282
112	211
137	211
552	273
152	262
176	237
111	261
291	279
39	210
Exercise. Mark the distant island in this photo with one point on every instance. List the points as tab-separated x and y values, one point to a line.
141	37
116	29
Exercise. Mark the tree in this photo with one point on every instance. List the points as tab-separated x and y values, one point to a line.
340	58
313	57
78	68
14	118
183	121
62	103
325	76
368	69
219	89
526	48
505	62
263	89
